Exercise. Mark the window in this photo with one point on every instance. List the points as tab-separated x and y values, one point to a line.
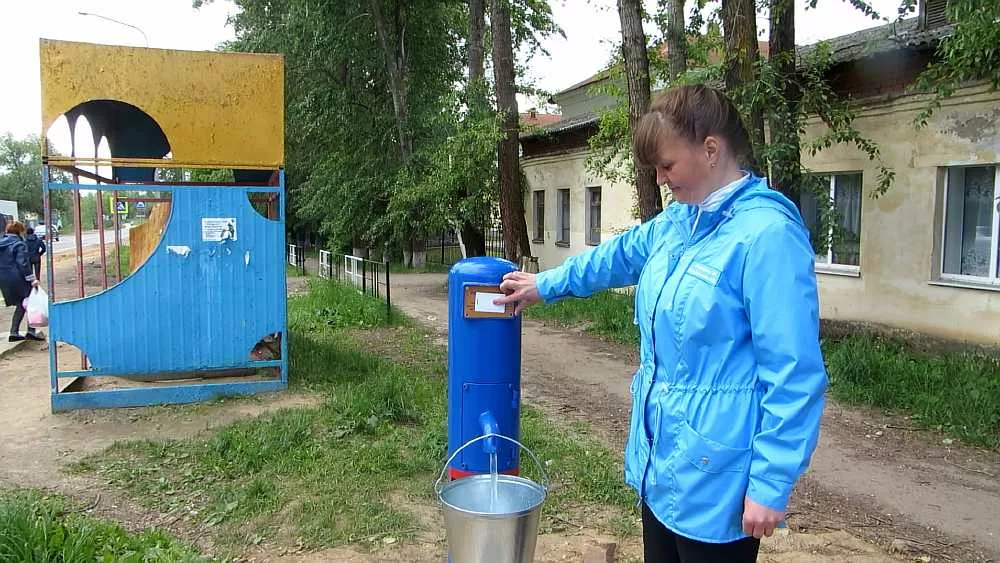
971	224
539	206
563	236
594	216
844	253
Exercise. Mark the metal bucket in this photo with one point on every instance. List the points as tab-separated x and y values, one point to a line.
502	533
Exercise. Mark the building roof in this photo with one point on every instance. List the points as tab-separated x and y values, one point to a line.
535	119
563	126
889	37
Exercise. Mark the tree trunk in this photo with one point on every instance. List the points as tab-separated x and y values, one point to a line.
472	236
477	26
740	29
515	229
637	78
785	167
676	38
391	36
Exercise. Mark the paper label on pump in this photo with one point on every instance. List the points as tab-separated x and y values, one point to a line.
484	303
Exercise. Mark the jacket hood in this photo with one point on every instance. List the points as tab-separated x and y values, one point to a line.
757	194
8	241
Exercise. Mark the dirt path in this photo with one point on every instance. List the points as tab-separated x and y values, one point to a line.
873	476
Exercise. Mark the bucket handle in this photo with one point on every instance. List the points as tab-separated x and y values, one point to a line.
541	468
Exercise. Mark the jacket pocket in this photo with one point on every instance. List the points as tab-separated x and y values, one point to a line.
709	484
711	456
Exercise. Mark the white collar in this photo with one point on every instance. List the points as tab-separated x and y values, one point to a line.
714	200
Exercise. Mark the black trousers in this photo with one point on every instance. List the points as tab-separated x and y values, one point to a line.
37	267
664	546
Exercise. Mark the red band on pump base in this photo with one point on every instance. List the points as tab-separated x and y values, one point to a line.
459	473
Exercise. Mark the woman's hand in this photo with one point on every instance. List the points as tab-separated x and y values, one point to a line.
520	288
759	520
34	284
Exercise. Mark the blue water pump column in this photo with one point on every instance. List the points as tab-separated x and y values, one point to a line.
484	368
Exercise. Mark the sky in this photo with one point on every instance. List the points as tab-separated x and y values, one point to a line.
590	26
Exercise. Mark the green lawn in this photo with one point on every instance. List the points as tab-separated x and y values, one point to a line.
334	473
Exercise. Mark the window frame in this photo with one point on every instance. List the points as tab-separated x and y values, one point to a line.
563	222
590	239
539	224
992	280
829	266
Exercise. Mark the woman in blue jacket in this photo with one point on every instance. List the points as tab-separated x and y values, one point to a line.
16	278
727	400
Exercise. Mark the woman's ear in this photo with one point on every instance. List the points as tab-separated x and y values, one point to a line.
712	150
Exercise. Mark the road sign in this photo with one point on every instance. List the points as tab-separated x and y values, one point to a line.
120	207
140	205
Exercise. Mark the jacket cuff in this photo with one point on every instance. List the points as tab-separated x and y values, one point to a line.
770	493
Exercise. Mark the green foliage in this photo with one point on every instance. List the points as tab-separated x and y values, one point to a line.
971	52
953	391
21	175
345	172
36	529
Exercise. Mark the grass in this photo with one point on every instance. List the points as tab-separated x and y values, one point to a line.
608	314
945	389
354	467
36	528
124	258
954	391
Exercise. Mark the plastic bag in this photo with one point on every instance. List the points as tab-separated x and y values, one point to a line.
37	307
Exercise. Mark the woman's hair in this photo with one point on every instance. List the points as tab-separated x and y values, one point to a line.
693	112
15	228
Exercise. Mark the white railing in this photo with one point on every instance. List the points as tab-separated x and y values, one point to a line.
293	255
325	271
353	269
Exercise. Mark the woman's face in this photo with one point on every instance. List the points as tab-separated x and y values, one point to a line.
685	168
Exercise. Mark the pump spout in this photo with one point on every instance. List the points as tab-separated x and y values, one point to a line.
488	425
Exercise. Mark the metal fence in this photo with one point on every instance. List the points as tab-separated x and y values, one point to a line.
445	250
368	276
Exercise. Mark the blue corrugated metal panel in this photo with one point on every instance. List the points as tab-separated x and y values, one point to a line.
203	310
143	396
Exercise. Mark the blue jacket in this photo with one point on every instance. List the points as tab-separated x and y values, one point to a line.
728	396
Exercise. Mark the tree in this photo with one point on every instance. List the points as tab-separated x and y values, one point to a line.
785	163
637	79
675	37
515	229
472	234
740	32
21	175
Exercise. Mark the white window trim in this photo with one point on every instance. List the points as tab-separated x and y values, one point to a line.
988	282
831	267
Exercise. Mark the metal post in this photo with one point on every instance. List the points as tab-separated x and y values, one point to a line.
442	246
118	236
100	235
388	302
364	278
78	233
51	278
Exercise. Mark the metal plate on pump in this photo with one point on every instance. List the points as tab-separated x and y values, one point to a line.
478	303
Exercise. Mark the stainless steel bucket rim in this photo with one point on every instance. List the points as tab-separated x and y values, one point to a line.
545	478
500	478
